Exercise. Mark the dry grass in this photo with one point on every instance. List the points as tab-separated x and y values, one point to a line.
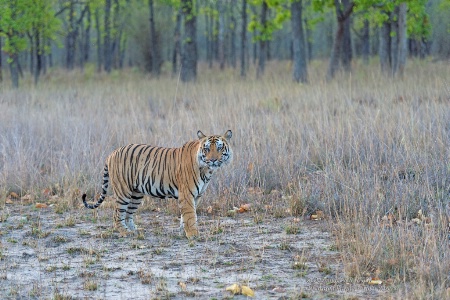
358	148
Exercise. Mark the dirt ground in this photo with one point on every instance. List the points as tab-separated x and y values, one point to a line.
75	255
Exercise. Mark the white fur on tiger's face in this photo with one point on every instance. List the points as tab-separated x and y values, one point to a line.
183	173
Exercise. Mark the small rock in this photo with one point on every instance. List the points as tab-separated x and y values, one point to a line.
28	253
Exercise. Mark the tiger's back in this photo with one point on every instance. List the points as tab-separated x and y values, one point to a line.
146	169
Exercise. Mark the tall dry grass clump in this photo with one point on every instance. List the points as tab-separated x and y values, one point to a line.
371	151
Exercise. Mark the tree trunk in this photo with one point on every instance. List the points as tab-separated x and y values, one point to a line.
87	37
50	55
366	42
233	24
212	41
14	69
122	50
394	39
335	52
244	38
177	43
70	39
208	39
262	42
115	35
1	62
346	51
107	40
300	73
216	40
39	51
309	41
99	40
221	34
385	47
19	67
154	47
32	52
342	42
402	41
189	53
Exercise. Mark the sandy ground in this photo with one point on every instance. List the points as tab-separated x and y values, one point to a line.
74	255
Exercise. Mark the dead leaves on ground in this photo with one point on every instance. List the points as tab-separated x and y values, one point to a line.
241	209
14	198
375	281
390	220
318	215
237	289
41	205
27	199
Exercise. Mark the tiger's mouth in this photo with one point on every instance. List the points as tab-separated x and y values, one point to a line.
214	163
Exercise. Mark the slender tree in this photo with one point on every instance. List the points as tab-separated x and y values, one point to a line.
300	73
154	47
107	50
177	42
263	41
209	29
221	34
86	43
341	50
366	42
1	61
189	52
233	26
71	37
99	43
244	38
385	47
402	40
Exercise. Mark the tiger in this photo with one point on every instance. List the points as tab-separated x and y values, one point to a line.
182	173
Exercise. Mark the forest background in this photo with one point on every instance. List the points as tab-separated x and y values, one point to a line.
160	36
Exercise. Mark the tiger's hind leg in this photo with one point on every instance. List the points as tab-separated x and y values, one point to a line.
120	214
136	199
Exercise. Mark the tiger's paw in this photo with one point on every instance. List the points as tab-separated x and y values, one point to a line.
124	232
130	225
192	233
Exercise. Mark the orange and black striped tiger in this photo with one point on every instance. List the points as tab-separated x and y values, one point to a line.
183	173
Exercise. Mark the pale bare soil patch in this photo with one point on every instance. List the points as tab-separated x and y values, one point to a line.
75	255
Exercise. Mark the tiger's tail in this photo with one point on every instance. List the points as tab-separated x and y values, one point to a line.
104	188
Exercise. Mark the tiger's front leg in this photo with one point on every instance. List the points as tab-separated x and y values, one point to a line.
188	215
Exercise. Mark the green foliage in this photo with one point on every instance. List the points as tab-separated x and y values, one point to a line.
418	21
265	31
14	23
377	12
22	17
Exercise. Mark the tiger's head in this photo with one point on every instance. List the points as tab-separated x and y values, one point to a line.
215	149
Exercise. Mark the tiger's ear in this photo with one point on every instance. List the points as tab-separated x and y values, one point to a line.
228	135
200	135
